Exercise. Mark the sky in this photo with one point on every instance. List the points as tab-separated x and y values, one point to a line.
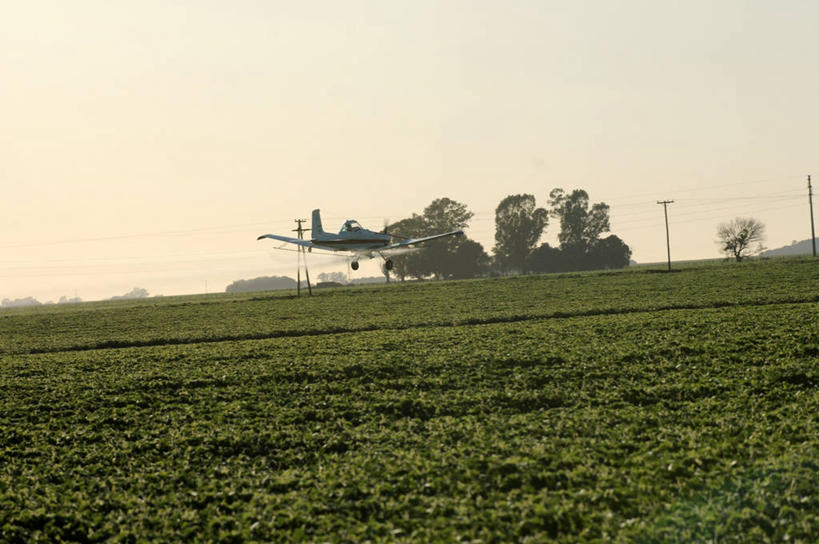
147	144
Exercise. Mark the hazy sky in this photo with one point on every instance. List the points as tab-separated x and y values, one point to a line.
147	144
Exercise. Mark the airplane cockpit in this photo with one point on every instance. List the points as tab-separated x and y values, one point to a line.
350	226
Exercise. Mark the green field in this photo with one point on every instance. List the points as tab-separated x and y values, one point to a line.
612	406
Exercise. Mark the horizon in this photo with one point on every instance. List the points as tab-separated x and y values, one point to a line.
361	281
148	145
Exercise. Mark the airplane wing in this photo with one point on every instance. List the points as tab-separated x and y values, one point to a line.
289	240
413	241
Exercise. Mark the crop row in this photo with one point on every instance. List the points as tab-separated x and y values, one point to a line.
190	320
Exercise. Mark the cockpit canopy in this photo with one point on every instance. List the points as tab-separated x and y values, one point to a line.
350	226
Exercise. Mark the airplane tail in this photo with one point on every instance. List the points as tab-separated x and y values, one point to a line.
316	226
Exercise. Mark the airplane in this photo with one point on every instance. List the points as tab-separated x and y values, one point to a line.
356	239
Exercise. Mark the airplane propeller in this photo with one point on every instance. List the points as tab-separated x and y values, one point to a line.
386	231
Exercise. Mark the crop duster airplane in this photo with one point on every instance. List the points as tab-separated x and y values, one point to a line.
357	240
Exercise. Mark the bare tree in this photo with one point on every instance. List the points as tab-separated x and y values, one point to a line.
738	236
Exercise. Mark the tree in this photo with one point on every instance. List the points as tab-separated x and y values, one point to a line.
442	215
546	259
519	223
579	226
445	214
264	283
20	302
435	259
609	252
468	260
737	237
136	292
333	277
581	247
408	264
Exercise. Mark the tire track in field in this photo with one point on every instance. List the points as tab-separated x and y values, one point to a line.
516	318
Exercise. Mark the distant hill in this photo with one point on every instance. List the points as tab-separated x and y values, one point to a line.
796	248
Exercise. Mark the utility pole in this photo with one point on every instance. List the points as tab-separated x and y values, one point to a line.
810	202
665	204
300	231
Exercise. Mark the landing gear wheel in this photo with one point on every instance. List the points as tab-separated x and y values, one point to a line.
388	264
354	265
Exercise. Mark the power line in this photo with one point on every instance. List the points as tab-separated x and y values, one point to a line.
128	260
639	199
646	224
696	213
136	235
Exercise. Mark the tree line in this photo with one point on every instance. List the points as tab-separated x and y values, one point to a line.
519	226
